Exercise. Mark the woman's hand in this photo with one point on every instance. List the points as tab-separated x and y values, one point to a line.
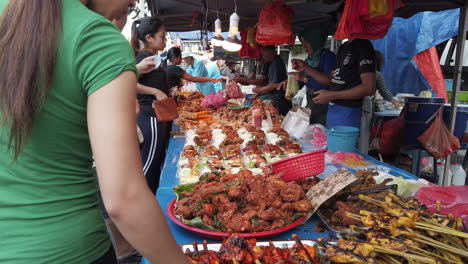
146	65
298	65
297	76
215	80
396	103
159	94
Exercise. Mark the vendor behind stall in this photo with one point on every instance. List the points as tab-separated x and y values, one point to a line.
351	81
263	80
313	40
197	68
276	74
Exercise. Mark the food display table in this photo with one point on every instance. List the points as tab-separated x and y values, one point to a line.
169	179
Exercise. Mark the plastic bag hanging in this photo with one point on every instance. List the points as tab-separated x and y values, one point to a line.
249	49
275	24
438	140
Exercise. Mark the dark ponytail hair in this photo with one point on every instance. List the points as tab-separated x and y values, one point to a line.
29	37
173	53
143	27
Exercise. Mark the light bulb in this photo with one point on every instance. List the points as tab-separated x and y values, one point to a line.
234	25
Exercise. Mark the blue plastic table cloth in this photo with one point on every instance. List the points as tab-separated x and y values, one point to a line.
165	194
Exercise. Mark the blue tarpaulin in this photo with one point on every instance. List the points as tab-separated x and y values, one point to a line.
408	37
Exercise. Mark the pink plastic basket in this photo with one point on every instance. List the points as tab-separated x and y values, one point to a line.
301	166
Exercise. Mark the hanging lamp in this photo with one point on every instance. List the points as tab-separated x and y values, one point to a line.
232	43
217	40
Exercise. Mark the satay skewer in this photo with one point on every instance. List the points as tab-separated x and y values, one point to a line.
299	242
434	243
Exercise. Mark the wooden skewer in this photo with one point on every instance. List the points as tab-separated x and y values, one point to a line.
437	244
422	251
405	255
299	242
457	242
446	230
450	256
391	259
234	261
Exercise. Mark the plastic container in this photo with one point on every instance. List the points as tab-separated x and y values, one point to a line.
342	138
419	112
257	117
301	166
458	174
461	118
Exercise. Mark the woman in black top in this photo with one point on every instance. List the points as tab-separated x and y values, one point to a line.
175	74
152	86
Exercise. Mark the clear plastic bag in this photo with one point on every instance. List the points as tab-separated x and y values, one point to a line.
438	140
292	88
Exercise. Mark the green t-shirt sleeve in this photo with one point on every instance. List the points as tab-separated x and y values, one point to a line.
100	55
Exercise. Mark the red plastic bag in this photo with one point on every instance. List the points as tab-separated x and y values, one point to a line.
429	65
390	136
275	24
233	90
356	22
248	50
214	100
438	140
453	199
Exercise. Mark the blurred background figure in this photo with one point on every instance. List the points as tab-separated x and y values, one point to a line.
197	68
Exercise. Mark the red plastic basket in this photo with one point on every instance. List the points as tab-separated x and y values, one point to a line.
301	166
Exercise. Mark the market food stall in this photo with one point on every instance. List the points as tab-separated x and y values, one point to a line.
194	159
221	168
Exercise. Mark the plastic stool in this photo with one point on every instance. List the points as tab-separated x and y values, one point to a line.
416	155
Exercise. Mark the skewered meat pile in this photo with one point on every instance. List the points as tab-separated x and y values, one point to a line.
244	203
237	250
403	232
336	209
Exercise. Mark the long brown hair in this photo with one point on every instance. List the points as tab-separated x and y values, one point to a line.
29	33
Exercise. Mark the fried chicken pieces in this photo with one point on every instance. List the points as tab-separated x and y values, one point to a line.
245	203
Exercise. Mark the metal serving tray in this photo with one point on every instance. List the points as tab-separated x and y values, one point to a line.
346	232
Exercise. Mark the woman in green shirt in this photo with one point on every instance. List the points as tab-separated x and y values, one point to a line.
61	102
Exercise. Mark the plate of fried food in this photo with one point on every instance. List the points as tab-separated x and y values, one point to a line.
254	206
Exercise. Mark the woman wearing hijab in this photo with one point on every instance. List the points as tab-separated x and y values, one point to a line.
313	40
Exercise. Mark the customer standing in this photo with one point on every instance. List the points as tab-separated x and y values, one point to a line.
313	40
151	32
197	68
175	74
352	79
73	98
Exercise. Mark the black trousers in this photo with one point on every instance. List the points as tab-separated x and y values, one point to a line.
108	258
153	149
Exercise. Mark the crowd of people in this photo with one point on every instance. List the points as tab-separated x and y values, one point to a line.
73	103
